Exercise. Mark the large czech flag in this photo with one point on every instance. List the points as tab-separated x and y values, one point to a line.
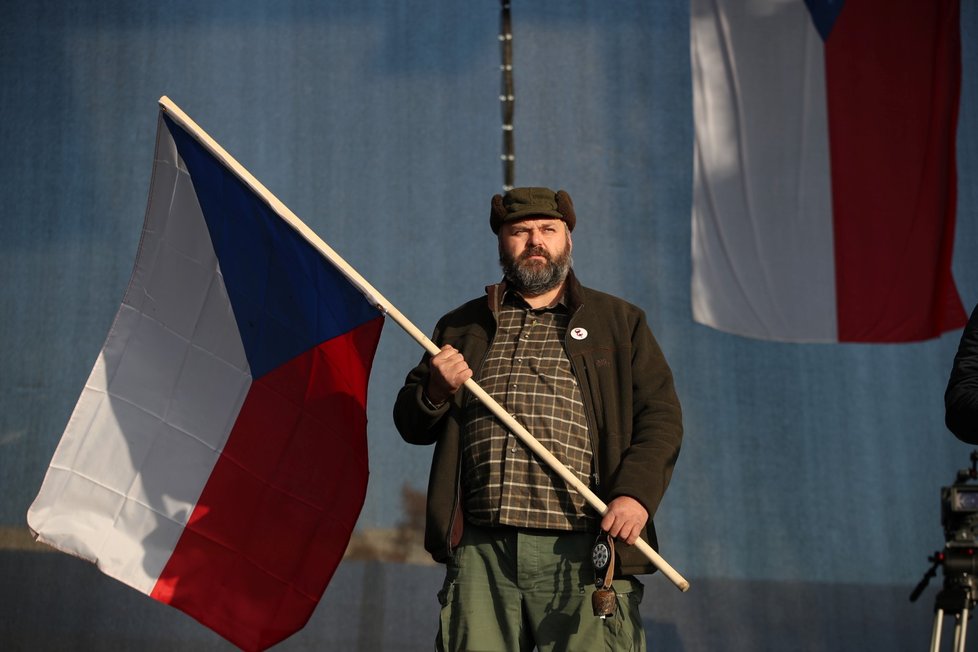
216	459
825	185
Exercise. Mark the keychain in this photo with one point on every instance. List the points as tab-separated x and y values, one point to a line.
603	600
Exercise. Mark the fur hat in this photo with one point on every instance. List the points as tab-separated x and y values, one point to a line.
520	203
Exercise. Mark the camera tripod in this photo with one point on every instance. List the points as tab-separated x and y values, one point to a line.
958	596
959	516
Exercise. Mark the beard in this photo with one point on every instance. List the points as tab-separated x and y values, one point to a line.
534	278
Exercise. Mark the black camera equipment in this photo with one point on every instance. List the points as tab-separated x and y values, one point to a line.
959	558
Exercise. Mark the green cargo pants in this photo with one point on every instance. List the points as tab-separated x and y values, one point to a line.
508	589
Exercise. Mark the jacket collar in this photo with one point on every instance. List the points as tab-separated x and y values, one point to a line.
573	293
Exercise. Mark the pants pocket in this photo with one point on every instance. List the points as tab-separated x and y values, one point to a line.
624	630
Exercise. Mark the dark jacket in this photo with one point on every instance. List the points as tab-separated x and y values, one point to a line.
961	396
634	418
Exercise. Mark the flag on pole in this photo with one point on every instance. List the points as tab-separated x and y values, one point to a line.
216	459
825	181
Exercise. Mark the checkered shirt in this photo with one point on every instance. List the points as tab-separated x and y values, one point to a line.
527	371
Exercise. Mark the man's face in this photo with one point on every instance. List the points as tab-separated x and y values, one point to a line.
535	253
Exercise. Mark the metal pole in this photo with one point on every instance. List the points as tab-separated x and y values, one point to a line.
507	96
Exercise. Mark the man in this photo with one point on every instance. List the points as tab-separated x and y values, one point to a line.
582	372
961	396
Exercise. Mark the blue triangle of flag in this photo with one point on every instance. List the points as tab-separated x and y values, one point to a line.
824	14
286	297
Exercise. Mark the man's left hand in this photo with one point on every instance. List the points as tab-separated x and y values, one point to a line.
625	519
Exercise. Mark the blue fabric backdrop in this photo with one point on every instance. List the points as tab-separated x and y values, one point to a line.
806	499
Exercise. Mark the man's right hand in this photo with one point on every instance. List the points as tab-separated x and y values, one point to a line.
449	371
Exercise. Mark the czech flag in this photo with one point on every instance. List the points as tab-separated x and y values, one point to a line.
216	459
824	181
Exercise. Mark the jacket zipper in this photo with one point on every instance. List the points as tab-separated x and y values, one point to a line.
581	372
588	415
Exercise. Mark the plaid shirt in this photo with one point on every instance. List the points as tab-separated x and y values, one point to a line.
527	371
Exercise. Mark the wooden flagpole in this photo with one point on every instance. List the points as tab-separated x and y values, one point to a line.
374	297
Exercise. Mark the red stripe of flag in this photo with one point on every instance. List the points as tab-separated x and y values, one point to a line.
276	514
893	80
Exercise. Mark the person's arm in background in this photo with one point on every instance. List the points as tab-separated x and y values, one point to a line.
961	397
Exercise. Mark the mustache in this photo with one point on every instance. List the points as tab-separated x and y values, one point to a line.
535	251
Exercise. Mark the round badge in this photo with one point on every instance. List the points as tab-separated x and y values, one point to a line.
600	555
579	333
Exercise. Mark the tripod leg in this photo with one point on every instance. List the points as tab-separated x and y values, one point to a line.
935	637
961	630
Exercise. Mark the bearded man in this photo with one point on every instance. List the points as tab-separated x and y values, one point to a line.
581	370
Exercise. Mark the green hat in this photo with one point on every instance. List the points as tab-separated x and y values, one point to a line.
520	203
